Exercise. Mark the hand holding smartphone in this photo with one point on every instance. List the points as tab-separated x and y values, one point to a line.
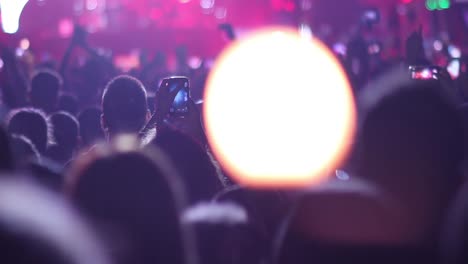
424	72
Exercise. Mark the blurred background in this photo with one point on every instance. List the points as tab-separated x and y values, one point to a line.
132	27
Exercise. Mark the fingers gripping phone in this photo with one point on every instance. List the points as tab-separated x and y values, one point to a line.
179	106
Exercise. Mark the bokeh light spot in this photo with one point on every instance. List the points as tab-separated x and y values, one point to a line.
278	110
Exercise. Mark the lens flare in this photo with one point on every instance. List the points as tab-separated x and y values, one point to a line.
278	110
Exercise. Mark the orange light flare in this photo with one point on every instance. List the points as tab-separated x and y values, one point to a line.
279	110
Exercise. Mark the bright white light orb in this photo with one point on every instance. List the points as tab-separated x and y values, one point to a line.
278	110
11	12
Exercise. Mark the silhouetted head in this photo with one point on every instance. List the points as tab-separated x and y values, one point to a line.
38	227
124	106
45	87
134	198
90	126
66	136
343	221
225	234
411	144
68	103
30	123
65	129
193	162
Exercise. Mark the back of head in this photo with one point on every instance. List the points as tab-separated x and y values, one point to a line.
413	124
65	129
38	227
193	162
225	234
336	223
90	125
411	143
45	87
124	105
134	198
30	123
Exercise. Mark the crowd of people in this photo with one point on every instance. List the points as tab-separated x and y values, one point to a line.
94	169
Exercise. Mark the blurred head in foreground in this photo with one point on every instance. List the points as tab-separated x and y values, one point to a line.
38	227
342	221
225	234
411	145
134	199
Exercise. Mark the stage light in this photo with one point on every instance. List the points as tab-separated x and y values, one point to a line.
278	110
207	4
432	5
444	4
24	44
11	13
65	28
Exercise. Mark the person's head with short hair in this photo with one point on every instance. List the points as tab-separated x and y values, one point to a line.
37	226
133	197
90	126
124	106
31	123
68	103
66	136
45	87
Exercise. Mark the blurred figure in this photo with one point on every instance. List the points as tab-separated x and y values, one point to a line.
225	234
124	106
454	245
411	145
339	222
134	199
90	126
45	87
66	136
266	208
32	124
68	103
38	227
193	162
6	155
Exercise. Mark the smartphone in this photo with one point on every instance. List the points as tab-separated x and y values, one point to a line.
424	72
181	100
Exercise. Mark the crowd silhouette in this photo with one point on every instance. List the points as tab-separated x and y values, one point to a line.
94	168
